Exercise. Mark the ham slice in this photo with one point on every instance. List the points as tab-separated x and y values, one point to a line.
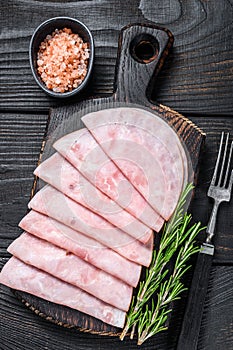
71	269
59	173
146	149
55	204
43	285
83	152
84	247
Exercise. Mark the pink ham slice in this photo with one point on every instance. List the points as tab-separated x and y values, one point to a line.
55	204
59	173
145	149
71	269
43	285
84	247
81	150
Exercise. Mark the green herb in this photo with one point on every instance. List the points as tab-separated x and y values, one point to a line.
146	315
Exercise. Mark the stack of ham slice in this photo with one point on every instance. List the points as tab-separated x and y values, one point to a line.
90	228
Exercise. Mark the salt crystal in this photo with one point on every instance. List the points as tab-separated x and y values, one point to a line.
63	66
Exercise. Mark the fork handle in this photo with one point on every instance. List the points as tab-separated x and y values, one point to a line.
212	222
191	324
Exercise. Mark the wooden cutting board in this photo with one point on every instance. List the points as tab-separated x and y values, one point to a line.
141	53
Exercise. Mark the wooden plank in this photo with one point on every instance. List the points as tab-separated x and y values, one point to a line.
20	140
201	205
216	318
196	78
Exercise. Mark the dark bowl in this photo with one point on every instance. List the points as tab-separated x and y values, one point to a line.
46	28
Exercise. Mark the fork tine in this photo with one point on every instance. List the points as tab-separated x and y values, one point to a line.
217	161
223	160
231	181
228	165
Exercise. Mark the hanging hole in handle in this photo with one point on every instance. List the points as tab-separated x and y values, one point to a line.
144	48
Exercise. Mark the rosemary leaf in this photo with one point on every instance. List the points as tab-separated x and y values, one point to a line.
150	308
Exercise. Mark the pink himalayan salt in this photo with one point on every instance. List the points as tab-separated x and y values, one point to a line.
62	60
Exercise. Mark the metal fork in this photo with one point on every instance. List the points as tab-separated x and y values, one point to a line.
220	186
220	190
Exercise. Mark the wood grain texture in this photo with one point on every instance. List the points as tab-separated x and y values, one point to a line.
20	140
198	70
201	205
191	323
196	78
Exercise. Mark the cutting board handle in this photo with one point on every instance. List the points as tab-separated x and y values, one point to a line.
142	50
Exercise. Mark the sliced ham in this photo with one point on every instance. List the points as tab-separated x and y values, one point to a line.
71	269
55	204
84	247
18	275
146	150
59	173
81	150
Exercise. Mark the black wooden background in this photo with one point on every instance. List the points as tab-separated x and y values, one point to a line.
196	81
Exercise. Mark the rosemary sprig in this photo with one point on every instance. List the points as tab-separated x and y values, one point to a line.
176	237
169	290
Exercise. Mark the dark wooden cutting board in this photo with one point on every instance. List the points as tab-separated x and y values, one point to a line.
141	53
